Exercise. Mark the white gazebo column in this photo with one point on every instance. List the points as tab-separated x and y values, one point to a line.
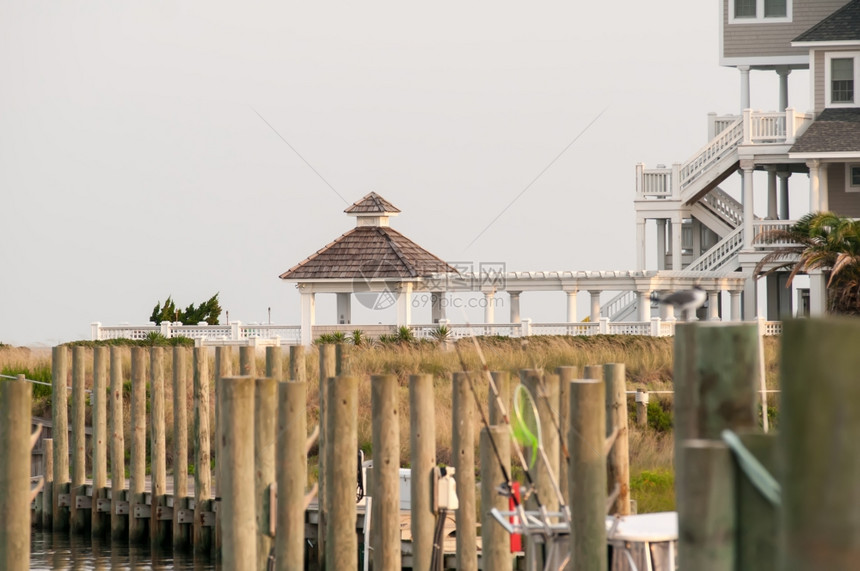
771	193
783	193
344	308
817	294
713	306
437	306
661	243
735	301
745	86
640	244
404	304
814	189
490	306
749	212
783	72
594	315
571	305
643	305
677	245
309	309
515	306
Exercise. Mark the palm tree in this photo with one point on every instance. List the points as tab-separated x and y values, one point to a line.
819	241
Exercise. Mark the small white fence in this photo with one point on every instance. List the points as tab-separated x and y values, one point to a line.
267	335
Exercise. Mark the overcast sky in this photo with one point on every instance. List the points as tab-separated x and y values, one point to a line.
134	162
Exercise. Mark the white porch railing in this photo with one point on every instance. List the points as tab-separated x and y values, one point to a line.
774	128
725	142
760	226
724	206
720	253
618	304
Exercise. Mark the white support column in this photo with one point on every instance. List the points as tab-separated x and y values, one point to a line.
437	306
748	195
594	315
745	86
677	243
783	193
735	299
571	305
490	306
823	191
661	243
814	189
783	73
404	304
309	309
515	306
713	306
344	308
643	305
817	294
96	330
771	193
750	299
667	312
640	244
696	229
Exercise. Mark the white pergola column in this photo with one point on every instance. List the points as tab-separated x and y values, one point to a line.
515	306
677	244
344	308
735	301
748	197
594	315
783	193
571	305
643	305
437	306
783	73
404	304
640	244
309	309
667	312
661	243
814	188
771	193
745	87
713	306
817	294
489	306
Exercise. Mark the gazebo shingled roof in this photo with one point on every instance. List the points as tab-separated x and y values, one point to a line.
369	251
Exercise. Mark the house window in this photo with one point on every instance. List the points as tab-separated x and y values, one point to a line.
842	80
852	177
759	11
840	70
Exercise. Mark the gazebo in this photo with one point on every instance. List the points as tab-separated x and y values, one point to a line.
378	264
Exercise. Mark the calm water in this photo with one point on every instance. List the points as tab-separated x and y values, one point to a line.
60	551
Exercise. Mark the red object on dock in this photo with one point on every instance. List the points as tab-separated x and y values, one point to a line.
513	502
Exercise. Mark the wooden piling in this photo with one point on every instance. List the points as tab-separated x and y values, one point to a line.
544	391
15	417
385	508
181	532
327	370
60	422
706	508
565	375
495	543
297	364
756	517
137	526
618	458
239	544
159	529
502	380
202	535
642	407
587	483
223	369
274	363
817	444
341	359
100	520
422	446
118	521
593	372
265	411
464	461
47	511
78	517
291	471
248	361
341	543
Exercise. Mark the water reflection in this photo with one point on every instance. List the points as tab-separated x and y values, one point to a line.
50	551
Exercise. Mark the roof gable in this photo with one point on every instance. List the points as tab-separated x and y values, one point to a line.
372	204
842	25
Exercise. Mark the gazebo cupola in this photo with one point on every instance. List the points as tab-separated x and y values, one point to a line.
379	264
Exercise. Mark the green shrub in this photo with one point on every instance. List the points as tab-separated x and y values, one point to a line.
653	490
659	419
